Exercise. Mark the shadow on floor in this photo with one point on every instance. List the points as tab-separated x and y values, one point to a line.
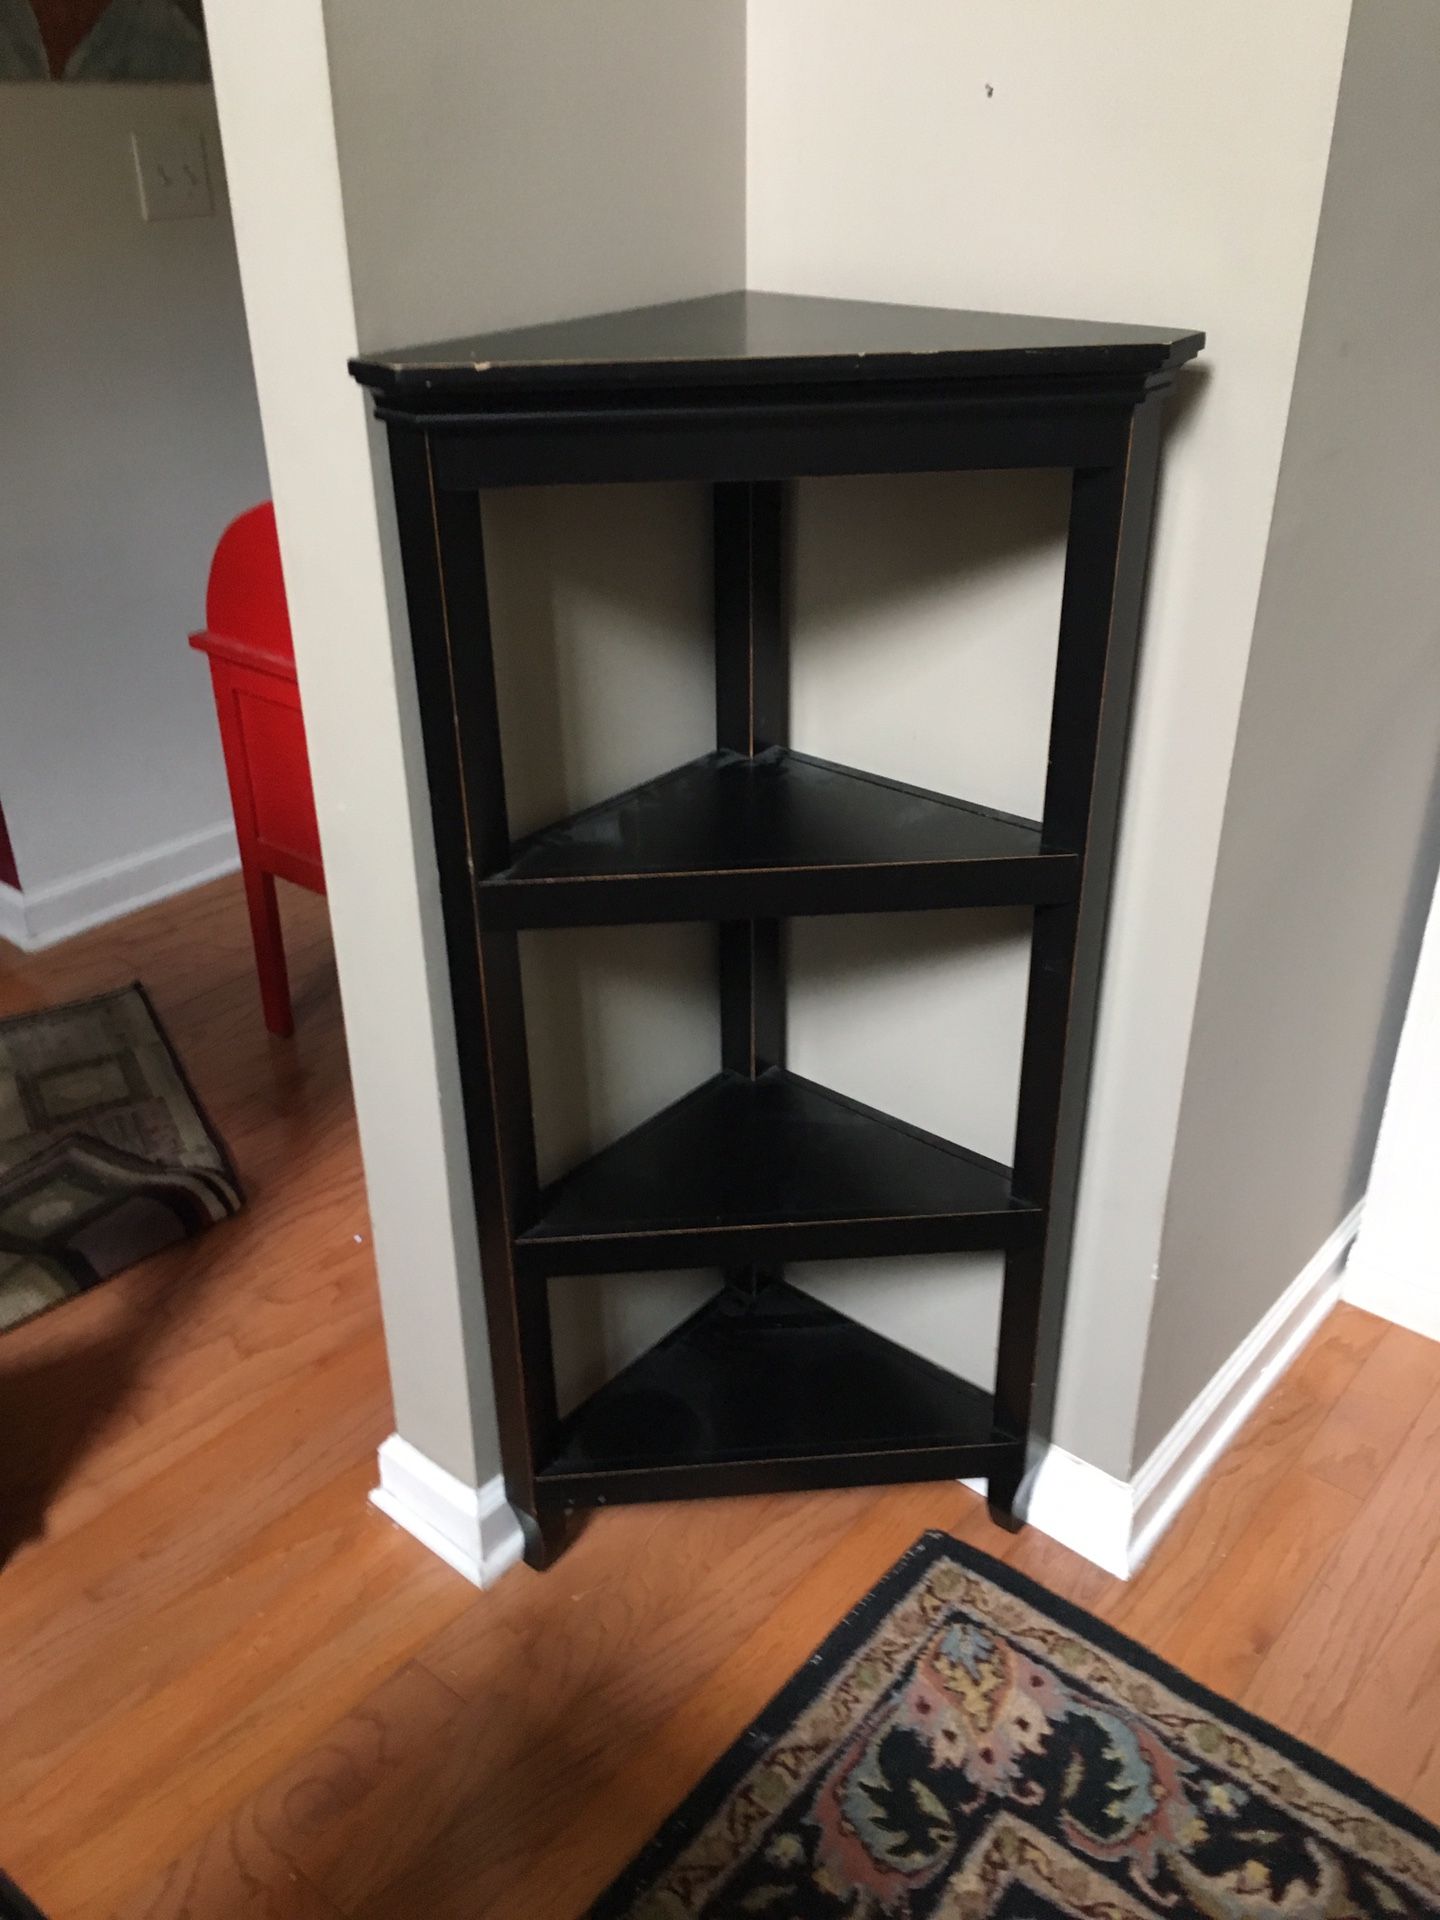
69	1375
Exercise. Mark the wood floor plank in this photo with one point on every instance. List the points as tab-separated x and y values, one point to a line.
166	1770
1245	1603
1361	1433
144	1362
1079	1581
652	1602
649	1613
186	1894
1387	1727
1339	1348
175	1530
179	947
165	1360
1314	1668
100	1706
1222	1507
639	1572
185	1427
356	1794
582	1852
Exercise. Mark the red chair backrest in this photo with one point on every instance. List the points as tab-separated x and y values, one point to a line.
245	599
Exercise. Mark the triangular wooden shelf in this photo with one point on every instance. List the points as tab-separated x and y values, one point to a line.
780	1378
731	835
756	1172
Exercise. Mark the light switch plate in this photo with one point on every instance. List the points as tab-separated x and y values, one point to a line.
173	178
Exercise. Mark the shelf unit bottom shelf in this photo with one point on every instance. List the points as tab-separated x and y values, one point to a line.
770	1394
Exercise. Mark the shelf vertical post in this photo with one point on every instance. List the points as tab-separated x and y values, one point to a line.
752	712
443	555
1111	510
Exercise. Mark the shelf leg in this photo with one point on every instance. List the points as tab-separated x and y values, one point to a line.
1110	514
1002	1494
1014	1377
444	561
547	1535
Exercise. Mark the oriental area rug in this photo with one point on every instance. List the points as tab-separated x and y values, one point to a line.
105	1157
967	1746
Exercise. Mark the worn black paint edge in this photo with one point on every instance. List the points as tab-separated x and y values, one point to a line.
766	1244
792	893
422	384
721	759
772	399
742	1477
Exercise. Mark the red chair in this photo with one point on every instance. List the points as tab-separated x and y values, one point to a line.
252	665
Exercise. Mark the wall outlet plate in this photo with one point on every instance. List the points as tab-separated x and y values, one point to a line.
172	175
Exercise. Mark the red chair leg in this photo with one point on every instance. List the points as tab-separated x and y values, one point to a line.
269	951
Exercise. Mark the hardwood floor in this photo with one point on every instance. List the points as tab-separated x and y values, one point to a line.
229	1687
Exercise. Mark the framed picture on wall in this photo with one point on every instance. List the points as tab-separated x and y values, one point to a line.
102	40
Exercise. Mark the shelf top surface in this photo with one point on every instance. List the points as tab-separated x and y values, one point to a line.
780	809
781	1377
780	1148
730	339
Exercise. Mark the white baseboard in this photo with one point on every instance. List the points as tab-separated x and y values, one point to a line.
1084	1508
1410	1299
1116	1523
471	1528
1202	1433
12	914
1112	1522
39	917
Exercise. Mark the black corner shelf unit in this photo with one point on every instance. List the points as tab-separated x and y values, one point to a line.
764	1387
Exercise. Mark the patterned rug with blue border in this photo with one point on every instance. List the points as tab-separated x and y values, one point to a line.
967	1746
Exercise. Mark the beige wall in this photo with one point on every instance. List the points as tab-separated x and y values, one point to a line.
502	164
525	163
130	437
925	614
1328	855
473	165
1118	160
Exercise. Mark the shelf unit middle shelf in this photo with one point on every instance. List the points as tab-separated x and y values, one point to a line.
729	836
755	1173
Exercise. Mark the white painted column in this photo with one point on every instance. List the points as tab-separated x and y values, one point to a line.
331	491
